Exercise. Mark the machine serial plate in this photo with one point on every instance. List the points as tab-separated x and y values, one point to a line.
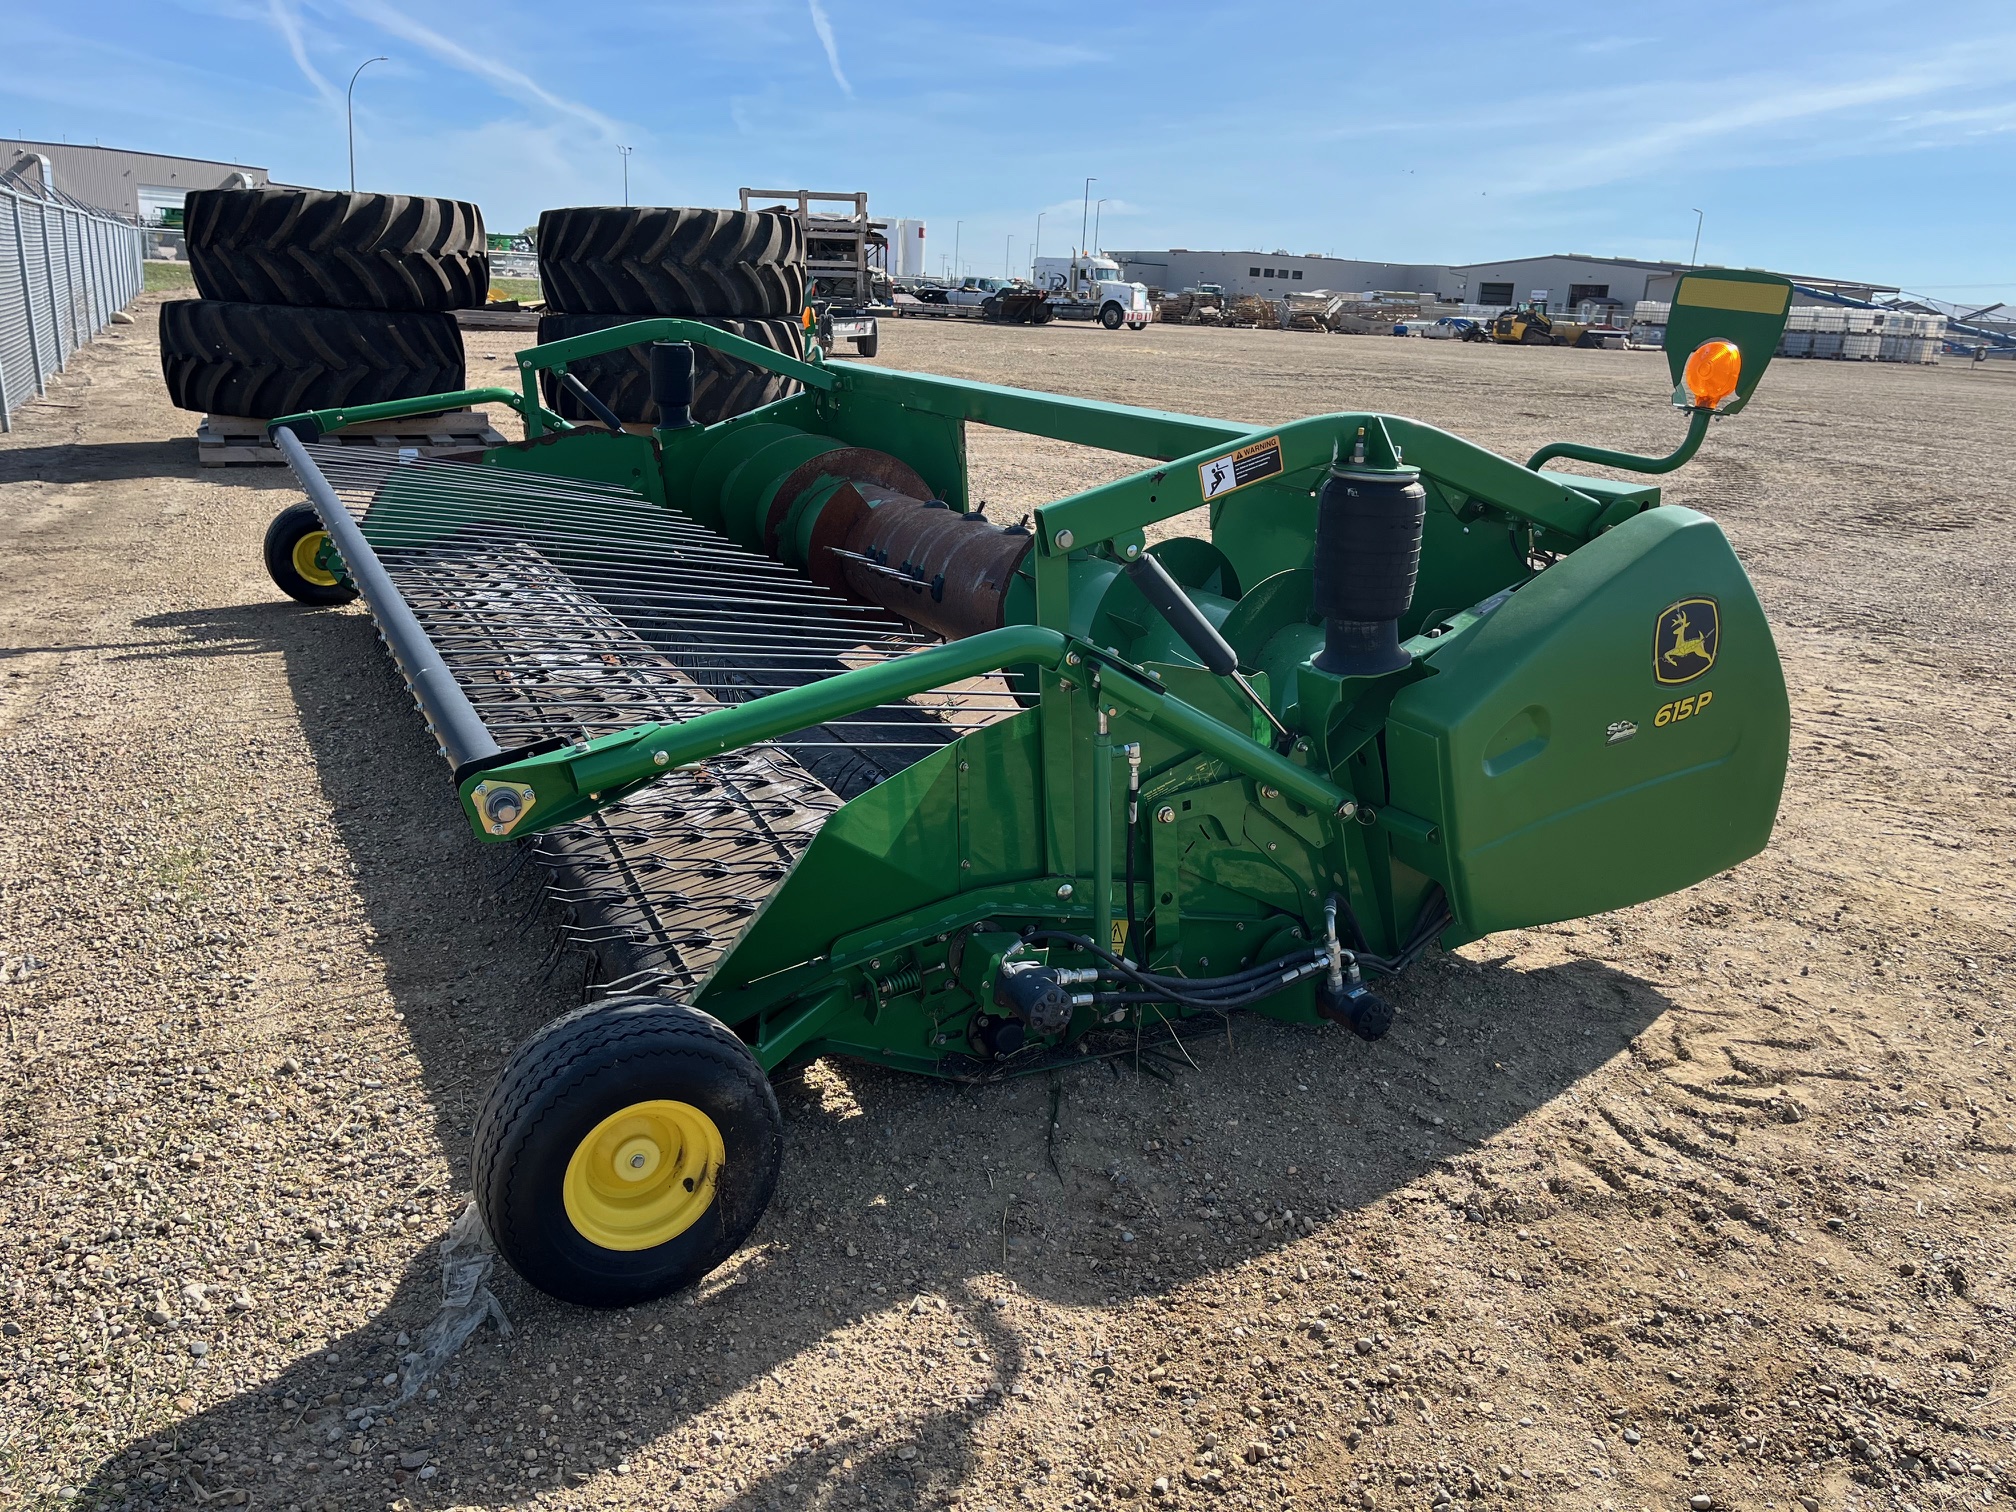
1249	464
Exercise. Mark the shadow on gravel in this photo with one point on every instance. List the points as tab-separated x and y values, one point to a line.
1101	1187
99	461
225	630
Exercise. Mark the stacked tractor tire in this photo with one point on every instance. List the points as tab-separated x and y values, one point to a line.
316	299
741	271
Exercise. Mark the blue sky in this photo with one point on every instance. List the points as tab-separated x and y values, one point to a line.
1862	138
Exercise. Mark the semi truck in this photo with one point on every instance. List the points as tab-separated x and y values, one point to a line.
1088	286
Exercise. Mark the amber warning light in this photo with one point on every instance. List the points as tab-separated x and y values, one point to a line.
1711	375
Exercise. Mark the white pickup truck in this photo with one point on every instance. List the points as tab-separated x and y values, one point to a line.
1089	287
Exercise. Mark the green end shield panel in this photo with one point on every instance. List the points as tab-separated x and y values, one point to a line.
1617	730
1736	305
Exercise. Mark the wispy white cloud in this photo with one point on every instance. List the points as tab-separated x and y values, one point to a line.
500	76
823	24
288	24
1035	52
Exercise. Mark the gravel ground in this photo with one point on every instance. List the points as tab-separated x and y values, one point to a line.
1706	1203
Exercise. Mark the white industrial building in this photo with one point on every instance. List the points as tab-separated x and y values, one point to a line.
144	187
1661	289
1562	281
1270	274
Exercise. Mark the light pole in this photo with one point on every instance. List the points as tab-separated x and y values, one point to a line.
1008	258
1038	252
1695	260
1085	213
956	228
1096	212
350	117
626	151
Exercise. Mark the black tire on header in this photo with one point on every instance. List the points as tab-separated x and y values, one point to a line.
324	248
641	261
264	360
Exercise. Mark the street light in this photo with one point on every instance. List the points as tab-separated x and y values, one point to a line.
1085	212
1038	252
350	117
1008	258
1695	260
1096	211
956	225
626	151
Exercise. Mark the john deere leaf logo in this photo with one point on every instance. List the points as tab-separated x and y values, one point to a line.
1684	645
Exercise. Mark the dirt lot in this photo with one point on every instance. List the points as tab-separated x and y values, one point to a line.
1704	1203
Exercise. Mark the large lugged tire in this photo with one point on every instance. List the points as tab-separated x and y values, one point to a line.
644	261
626	1151
323	248
267	360
722	387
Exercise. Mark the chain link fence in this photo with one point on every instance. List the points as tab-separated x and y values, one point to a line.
64	268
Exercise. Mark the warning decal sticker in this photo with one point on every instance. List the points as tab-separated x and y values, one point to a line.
1249	464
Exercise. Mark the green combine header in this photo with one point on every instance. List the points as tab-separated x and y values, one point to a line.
824	762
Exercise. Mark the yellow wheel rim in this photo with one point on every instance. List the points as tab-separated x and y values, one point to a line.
643	1175
305	551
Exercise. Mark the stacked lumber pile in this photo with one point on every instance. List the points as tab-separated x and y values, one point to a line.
1191	309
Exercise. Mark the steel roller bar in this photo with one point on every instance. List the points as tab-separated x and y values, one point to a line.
454	722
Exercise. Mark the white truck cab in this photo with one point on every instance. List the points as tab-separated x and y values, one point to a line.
1088	286
974	291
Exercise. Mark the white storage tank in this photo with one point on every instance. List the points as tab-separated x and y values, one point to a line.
906	248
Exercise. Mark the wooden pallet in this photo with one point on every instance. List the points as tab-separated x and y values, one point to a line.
228	440
493	319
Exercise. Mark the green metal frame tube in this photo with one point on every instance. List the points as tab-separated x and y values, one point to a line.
1102	827
1697	431
1179	720
818	703
327	420
555	355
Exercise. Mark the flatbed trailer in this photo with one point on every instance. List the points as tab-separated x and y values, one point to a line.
1022	307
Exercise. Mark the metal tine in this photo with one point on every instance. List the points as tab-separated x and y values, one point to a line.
837	644
490	553
499	625
667	589
624	510
780	582
1004	700
746	606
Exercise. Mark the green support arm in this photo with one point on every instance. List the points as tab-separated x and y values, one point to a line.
327	420
543	789
1191	726
1307	446
1058	417
1697	429
553	356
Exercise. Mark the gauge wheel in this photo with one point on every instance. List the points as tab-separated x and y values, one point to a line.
297	554
627	1150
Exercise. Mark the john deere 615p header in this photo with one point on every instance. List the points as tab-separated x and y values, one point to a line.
830	764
